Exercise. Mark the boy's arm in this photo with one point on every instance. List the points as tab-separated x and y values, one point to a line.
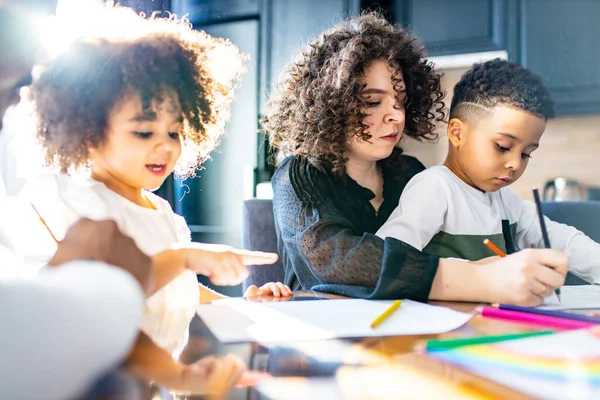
420	213
583	252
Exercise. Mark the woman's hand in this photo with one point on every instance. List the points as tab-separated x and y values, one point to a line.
276	289
223	265
525	278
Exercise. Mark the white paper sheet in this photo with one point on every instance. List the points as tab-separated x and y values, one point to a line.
574	297
237	320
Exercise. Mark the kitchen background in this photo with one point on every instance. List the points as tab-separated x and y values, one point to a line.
570	147
557	39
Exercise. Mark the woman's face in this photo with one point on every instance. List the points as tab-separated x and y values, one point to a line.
385	122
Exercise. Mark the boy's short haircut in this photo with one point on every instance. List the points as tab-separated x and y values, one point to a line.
500	82
148	56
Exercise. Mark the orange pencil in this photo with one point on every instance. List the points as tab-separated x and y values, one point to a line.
44	223
493	247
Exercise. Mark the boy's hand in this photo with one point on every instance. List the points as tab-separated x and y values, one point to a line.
527	277
223	265
276	289
103	241
486	260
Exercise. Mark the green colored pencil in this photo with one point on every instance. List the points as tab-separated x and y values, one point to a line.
448	344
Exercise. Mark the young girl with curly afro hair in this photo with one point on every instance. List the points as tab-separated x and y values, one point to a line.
338	116
130	104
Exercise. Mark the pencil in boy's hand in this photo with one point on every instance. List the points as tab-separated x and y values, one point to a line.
545	238
44	223
493	247
386	314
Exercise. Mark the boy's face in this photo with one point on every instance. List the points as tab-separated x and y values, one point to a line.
385	122
494	152
141	149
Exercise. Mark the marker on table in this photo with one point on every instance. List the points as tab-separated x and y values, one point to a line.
537	319
386	314
549	313
449	344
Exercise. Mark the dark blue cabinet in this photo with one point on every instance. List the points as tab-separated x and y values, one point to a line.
457	26
216	11
560	40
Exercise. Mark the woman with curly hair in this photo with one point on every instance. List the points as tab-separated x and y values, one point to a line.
130	106
338	115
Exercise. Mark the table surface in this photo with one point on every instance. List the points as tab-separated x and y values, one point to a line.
384	367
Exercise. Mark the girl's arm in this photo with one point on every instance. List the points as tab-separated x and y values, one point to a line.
208	375
223	265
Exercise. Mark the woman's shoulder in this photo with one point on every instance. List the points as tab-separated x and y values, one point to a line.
297	177
400	162
295	165
412	163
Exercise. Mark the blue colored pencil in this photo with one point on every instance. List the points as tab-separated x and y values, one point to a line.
551	313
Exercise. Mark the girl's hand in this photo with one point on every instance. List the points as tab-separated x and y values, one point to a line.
212	374
223	265
524	278
276	289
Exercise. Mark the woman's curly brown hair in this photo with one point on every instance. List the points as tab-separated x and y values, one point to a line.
318	101
149	56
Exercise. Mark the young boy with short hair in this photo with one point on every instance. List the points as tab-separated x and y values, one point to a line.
497	117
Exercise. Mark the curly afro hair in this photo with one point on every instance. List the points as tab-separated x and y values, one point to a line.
152	57
318	102
500	82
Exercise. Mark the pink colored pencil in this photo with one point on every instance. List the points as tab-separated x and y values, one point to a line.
516	316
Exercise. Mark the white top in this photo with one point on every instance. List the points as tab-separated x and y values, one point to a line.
22	238
440	214
62	200
65	328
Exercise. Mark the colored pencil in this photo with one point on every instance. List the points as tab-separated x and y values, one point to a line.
538	205
386	314
551	313
493	247
518	316
448	344
44	223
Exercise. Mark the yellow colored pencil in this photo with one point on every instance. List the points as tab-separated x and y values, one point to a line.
386	314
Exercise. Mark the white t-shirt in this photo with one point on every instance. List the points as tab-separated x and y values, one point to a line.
440	214
65	328
61	200
22	239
